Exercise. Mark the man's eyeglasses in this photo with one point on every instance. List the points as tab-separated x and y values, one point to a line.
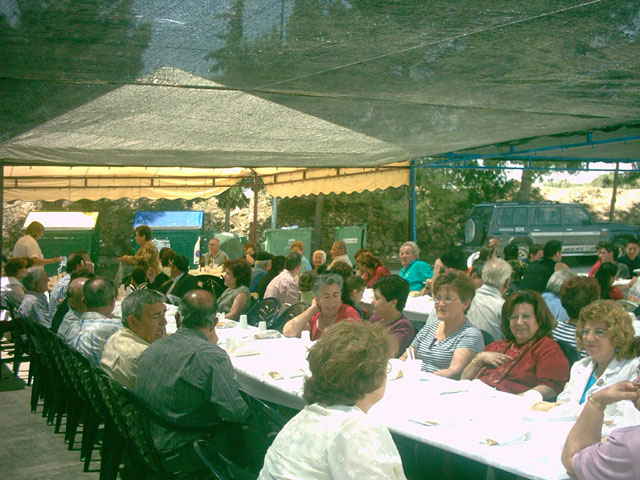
598	332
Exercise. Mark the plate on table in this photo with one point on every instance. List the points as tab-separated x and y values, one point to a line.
226	324
267	334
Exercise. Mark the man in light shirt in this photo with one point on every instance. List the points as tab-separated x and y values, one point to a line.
285	286
215	256
35	305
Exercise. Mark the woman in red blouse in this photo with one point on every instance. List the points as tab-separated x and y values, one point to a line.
528	358
372	268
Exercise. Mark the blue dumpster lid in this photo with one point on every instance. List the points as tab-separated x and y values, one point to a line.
186	219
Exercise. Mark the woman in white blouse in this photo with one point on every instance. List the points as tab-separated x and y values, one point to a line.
605	330
333	437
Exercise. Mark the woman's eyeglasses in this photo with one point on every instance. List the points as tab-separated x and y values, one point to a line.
447	299
598	332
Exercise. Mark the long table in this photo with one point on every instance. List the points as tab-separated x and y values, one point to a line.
457	417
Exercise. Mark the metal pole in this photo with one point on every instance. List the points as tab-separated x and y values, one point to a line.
254	232
412	202
274	212
2	204
614	194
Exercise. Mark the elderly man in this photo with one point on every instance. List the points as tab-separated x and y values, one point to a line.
181	282
552	294
96	325
485	311
215	256
298	247
339	254
260	269
586	456
540	271
186	377
77	261
143	319
34	305
414	271
284	287
76	309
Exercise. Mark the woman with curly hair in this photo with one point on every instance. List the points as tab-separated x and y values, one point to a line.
372	268
332	437
235	300
528	358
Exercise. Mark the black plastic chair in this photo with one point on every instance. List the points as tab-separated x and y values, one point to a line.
487	337
220	467
289	313
569	351
265	310
212	284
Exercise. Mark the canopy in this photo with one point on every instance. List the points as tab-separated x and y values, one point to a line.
313	83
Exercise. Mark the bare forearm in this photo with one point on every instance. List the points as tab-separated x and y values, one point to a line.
294	326
585	432
546	391
471	370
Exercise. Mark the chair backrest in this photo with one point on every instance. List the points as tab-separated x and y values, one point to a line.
291	312
487	337
263	311
220	466
212	284
569	351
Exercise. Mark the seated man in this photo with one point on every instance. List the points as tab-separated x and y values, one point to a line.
284	287
536	251
631	258
339	254
79	260
188	378
181	281
71	319
35	306
389	298
143	322
260	269
215	256
12	288
96	324
586	456
608	253
298	247
539	272
414	271
485	311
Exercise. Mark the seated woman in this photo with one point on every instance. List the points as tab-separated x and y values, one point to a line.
605	276
352	292
319	260
250	250
325	310
333	437
447	344
305	283
575	294
606	332
528	358
372	268
235	300
389	298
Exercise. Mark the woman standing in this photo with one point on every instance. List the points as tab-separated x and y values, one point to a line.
27	246
528	358
147	254
449	343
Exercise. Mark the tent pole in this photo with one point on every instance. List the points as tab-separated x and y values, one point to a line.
274	212
254	230
413	231
2	203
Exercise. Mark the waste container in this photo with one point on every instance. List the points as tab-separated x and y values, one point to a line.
278	241
65	233
355	237
181	231
230	243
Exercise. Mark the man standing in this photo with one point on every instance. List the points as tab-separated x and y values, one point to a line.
540	271
285	287
35	306
339	254
485	311
186	377
215	256
76	309
96	325
181	282
143	319
414	271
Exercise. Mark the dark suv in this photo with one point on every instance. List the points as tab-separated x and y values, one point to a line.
529	223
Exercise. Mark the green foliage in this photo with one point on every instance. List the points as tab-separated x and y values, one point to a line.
626	180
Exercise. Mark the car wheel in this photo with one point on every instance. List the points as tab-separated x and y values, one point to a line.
474	231
523	251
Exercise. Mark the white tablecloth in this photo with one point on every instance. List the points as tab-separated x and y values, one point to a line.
458	417
417	309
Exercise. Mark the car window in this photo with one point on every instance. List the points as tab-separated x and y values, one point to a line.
576	216
483	213
545	216
512	216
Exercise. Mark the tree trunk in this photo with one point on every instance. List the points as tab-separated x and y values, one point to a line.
614	194
227	218
526	183
317	222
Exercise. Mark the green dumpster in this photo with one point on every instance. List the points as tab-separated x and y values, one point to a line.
65	233
355	237
278	241
180	231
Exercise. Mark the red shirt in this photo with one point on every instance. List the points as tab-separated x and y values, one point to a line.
381	271
346	312
540	363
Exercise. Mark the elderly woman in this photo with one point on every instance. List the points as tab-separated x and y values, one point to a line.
235	300
528	358
319	260
575	294
552	294
371	268
606	332
27	246
414	271
147	254
447	344
326	309
333	437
